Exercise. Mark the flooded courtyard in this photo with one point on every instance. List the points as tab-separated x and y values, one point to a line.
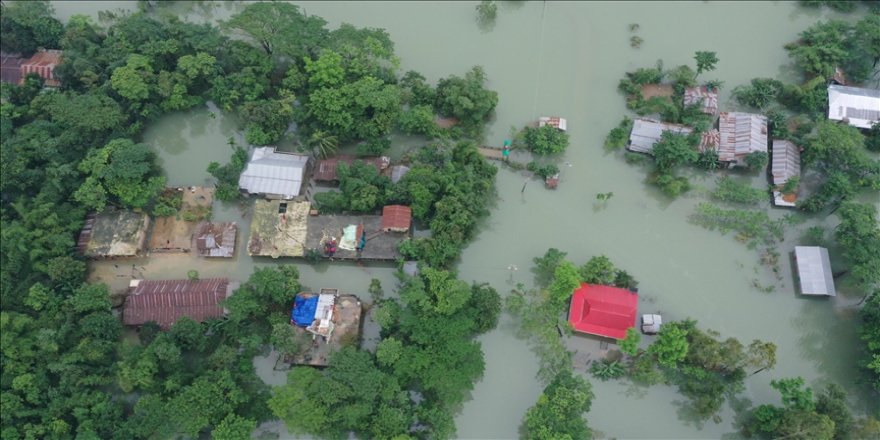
563	58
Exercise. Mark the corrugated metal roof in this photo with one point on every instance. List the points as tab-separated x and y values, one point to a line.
43	63
741	134
646	132
274	173
166	301
603	310
786	161
10	68
396	218
553	121
814	270
695	95
215	239
856	106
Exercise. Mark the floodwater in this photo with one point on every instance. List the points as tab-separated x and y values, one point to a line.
565	58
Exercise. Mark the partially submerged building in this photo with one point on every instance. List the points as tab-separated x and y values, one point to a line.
856	106
741	134
786	165
328	169
113	234
647	132
553	121
278	228
274	174
166	301
603	310
332	320
215	239
703	96
814	270
651	324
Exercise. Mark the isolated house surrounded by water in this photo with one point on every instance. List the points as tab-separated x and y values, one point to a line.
854	105
113	234
553	121
646	132
814	270
603	310
786	165
330	319
741	134
274	174
166	301
707	99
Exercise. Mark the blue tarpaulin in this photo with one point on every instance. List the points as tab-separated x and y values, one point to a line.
303	313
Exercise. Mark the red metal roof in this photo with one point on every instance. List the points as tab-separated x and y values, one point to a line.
166	301
327	169
43	63
603	310
396	217
10	68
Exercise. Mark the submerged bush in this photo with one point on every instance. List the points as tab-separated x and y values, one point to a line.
729	190
546	140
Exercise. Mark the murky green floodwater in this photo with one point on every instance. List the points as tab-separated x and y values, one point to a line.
565	58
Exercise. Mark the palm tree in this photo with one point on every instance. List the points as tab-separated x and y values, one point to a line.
325	144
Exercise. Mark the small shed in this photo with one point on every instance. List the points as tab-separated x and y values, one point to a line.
741	134
328	169
856	106
646	132
786	164
166	301
552	182
10	67
814	270
274	174
553	121
397	172
396	218
651	324
215	239
603	310
703	96
43	63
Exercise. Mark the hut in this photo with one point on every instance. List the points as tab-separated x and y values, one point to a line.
113	234
166	301
651	324
856	106
396	218
397	172
328	169
274	174
10	67
603	310
278	228
703	96
552	182
330	319
740	135
43	63
786	165
553	121
646	132
215	239
814	270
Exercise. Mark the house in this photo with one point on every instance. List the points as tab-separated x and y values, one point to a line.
603	310
329	319
786	164
651	324
274	174
646	132
328	169
10	68
166	301
396	218
43	63
708	99
553	121
113	234
741	134
814	270
215	239
856	106
278	228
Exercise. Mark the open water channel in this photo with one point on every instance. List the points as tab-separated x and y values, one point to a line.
565	58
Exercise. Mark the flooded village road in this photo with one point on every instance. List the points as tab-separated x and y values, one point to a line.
565	58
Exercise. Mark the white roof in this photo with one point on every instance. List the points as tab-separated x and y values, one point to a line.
651	323
553	121
272	172
646	132
857	106
814	270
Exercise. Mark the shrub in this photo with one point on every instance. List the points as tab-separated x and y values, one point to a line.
619	135
759	93
757	160
729	190
546	140
330	202
544	171
373	147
